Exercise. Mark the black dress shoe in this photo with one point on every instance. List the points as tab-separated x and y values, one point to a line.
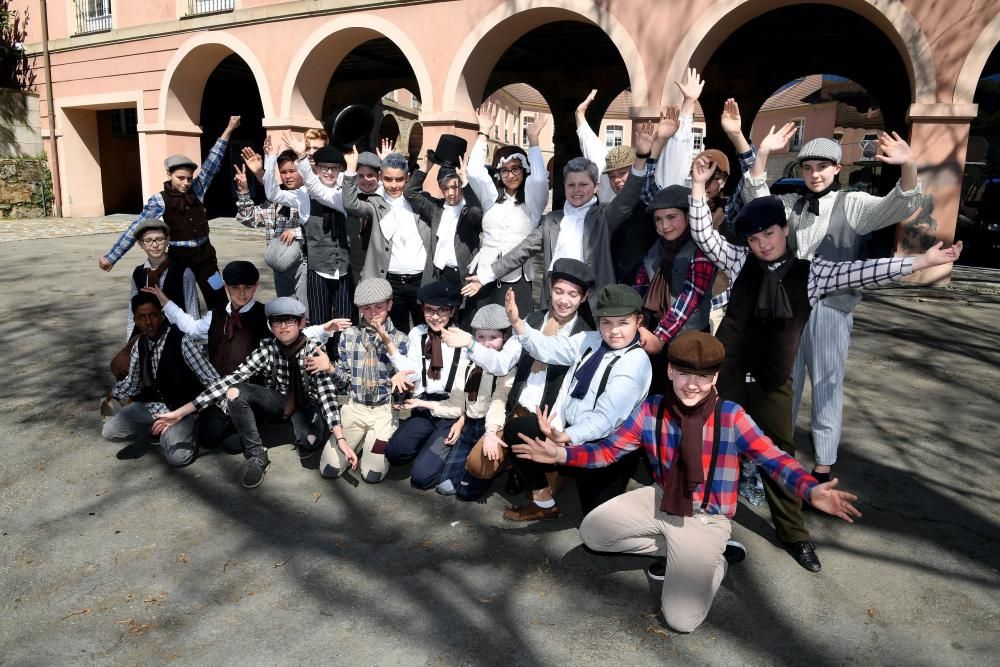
804	554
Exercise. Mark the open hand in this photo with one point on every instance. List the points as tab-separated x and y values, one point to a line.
691	84
545	426
454	432
294	142
775	141
825	497
164	421
510	305
487	116
158	293
937	255
702	170
471	286
288	237
402	381
319	362
644	138
668	125
491	446
535	129
386	147
538	449
455	337
581	110
732	123
893	150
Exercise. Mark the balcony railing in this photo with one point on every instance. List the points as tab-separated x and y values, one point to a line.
199	7
93	16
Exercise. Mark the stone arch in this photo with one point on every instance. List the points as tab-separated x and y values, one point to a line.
184	79
721	19
322	52
975	62
478	53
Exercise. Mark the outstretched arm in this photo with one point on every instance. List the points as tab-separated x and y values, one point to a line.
210	166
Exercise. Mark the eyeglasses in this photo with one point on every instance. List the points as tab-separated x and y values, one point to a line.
323	168
283	321
430	311
512	171
159	240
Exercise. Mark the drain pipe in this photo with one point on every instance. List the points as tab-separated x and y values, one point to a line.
53	142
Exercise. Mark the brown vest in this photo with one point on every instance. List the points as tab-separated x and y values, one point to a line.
184	214
227	355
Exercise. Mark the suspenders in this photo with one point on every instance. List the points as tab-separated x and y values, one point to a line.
451	373
468	370
607	371
716	439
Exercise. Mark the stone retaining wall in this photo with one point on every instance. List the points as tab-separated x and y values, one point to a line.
25	188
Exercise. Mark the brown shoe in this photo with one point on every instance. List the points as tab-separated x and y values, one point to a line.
531	512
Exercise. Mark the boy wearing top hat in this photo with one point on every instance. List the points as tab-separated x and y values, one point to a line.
309	401
166	369
610	377
772	296
830	224
180	205
455	221
363	370
434	372
693	439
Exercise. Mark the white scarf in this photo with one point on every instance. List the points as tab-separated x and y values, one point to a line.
569	243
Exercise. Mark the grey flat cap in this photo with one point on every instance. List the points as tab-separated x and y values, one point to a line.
178	161
284	305
146	225
369	159
281	257
820	149
372	290
491	316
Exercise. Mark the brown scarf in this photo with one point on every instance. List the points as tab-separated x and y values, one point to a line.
472	383
233	322
686	470
658	295
296	397
551	328
153	275
432	349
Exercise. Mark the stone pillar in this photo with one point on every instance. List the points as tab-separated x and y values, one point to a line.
939	137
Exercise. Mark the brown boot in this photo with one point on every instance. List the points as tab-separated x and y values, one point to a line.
531	512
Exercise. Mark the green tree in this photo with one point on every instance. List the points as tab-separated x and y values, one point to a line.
15	71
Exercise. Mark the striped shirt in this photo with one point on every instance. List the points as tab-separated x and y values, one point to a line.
155	207
738	435
193	355
267	361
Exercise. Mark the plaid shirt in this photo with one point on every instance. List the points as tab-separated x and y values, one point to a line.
347	372
155	207
193	355
824	276
699	283
738	435
267	361
275	223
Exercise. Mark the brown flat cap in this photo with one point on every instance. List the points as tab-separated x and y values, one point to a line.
718	157
618	157
696	352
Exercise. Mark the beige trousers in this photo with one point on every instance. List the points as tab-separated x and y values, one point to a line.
364	427
715	317
632	523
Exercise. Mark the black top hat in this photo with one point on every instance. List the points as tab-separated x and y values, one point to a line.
449	151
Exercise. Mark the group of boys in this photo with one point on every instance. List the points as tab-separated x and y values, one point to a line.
618	360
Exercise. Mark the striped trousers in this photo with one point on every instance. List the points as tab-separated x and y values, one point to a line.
823	355
329	298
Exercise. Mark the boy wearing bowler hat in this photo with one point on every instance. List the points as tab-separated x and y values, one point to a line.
610	377
456	221
290	392
771	298
181	206
693	439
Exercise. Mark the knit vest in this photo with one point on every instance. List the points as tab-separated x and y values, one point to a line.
553	374
325	233
184	213
173	281
841	244
174	383
698	320
764	348
227	355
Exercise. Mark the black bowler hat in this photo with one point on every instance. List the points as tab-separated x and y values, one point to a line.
439	293
672	196
760	214
573	270
329	155
240	272
449	151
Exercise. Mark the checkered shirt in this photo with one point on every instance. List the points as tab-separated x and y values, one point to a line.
155	207
193	355
738	435
269	215
347	373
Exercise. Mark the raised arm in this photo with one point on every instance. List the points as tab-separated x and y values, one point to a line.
591	145
420	202
865	212
210	166
676	163
774	142
831	276
721	252
558	350
536	185
479	177
281	197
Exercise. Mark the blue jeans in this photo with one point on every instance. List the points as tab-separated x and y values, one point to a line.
420	439
454	467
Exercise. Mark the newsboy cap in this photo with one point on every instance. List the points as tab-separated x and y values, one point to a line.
617	300
240	272
760	214
372	290
178	161
491	316
329	155
574	271
369	159
618	157
439	293
155	223
696	352
284	305
716	156
820	149
672	196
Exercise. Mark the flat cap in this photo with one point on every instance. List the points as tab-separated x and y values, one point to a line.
617	300
329	155
155	223
820	149
760	214
178	161
716	156
696	351
574	271
439	293
618	157
491	316
369	159
284	305
372	290
672	196
281	256
240	272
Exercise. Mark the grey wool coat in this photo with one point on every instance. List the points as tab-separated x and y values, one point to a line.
600	223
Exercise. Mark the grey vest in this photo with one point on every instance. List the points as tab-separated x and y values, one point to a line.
325	233
698	320
841	244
